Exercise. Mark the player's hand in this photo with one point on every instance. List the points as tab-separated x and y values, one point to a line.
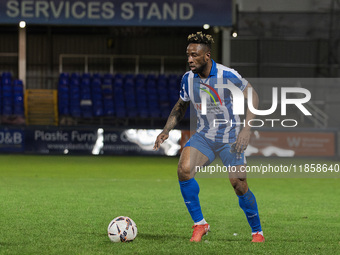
160	139
242	140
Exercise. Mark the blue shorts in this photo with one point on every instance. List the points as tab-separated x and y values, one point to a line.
211	149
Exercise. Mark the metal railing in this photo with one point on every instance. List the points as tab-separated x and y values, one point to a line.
137	60
10	55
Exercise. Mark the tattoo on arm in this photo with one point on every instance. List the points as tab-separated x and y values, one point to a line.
176	114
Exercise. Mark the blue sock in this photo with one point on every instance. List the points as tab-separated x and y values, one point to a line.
190	190
248	204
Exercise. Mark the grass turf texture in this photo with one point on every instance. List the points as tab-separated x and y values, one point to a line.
62	205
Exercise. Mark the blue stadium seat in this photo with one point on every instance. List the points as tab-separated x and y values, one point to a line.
140	76
75	76
151	77
7	75
98	110
7	110
120	112
7	99
63	110
154	112
162	83
130	96
64	76
74	92
96	76
118	76
86	76
75	111
0	96
6	81
129	77
74	82
18	110
129	83
140	84
85	82
162	77
151	84
118	83
109	109
172	84
96	82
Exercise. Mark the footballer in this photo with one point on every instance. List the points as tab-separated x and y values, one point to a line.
226	141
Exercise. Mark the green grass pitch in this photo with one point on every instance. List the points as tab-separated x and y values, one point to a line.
63	205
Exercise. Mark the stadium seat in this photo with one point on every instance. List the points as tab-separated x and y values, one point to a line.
151	77
96	76
86	108
130	96
86	76
75	112
74	82
118	76
118	83
129	77
151	84
7	110
18	94
64	76
75	76
97	97
6	94
0	96
140	77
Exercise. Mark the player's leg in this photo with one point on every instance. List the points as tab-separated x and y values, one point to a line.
188	185
190	158
238	180
247	202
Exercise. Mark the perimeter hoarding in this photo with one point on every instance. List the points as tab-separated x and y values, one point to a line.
99	141
287	144
12	140
117	12
85	141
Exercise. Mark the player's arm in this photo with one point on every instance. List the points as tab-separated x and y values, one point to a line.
174	118
244	136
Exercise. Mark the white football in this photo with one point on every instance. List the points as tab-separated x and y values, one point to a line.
122	229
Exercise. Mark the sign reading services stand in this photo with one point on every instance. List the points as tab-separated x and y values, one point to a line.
118	12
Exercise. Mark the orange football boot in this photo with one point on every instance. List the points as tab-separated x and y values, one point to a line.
258	238
199	231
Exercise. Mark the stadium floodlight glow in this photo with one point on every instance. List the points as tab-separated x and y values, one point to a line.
22	24
206	26
234	34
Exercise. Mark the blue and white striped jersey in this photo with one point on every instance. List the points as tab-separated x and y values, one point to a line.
219	102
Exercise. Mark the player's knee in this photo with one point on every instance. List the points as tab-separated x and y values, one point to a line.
240	185
183	171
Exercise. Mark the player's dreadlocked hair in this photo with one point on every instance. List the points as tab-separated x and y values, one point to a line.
201	38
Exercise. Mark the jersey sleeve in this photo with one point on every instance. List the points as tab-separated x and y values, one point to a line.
184	93
235	78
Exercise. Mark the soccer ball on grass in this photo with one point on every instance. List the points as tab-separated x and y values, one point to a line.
122	229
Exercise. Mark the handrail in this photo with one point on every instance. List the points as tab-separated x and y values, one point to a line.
8	54
137	59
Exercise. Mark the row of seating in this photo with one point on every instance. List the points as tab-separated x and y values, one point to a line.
143	96
11	96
